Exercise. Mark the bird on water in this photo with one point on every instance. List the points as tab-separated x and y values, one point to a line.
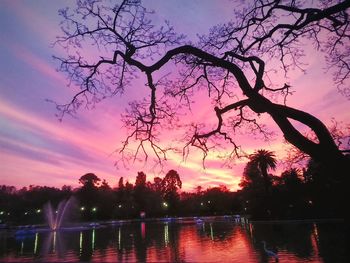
269	252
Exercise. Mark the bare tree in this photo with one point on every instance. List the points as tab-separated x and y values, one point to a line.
230	63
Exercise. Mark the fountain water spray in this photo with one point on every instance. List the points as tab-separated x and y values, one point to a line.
55	217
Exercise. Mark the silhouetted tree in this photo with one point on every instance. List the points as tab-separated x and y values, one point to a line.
89	180
253	194
264	160
170	185
106	201
231	62
140	191
105	186
140	180
157	185
88	194
217	200
325	191
171	182
121	184
257	195
199	189
251	177
291	178
292	197
127	202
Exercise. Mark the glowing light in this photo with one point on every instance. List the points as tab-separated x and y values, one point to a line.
165	204
38	211
120	206
1	212
94	209
82	208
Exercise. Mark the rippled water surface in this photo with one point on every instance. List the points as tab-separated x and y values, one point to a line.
190	240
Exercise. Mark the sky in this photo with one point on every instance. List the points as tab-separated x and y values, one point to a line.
37	149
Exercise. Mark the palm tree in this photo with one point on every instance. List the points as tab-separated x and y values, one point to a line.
264	160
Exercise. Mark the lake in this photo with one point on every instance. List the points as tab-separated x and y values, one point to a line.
220	239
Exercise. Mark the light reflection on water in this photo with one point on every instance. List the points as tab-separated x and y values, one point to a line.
188	241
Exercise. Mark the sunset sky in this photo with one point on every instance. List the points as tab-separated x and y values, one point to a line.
37	149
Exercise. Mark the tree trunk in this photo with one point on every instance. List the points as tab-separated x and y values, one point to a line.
324	150
263	170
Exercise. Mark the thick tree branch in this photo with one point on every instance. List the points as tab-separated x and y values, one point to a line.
233	55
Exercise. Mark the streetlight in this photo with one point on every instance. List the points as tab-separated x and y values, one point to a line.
82	208
94	209
165	204
120	206
38	211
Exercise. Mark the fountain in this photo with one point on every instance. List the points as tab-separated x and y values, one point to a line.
55	217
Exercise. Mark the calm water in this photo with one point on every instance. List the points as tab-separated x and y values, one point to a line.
219	240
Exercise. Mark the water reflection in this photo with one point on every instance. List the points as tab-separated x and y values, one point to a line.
93	239
166	234
80	243
119	238
208	240
36	243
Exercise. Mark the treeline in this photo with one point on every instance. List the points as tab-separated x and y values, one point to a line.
295	194
309	192
96	200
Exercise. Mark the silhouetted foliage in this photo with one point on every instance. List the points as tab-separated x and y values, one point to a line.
89	180
170	185
295	194
233	63
25	205
141	191
121	183
260	162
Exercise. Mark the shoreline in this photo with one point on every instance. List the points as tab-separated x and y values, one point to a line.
193	219
296	221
